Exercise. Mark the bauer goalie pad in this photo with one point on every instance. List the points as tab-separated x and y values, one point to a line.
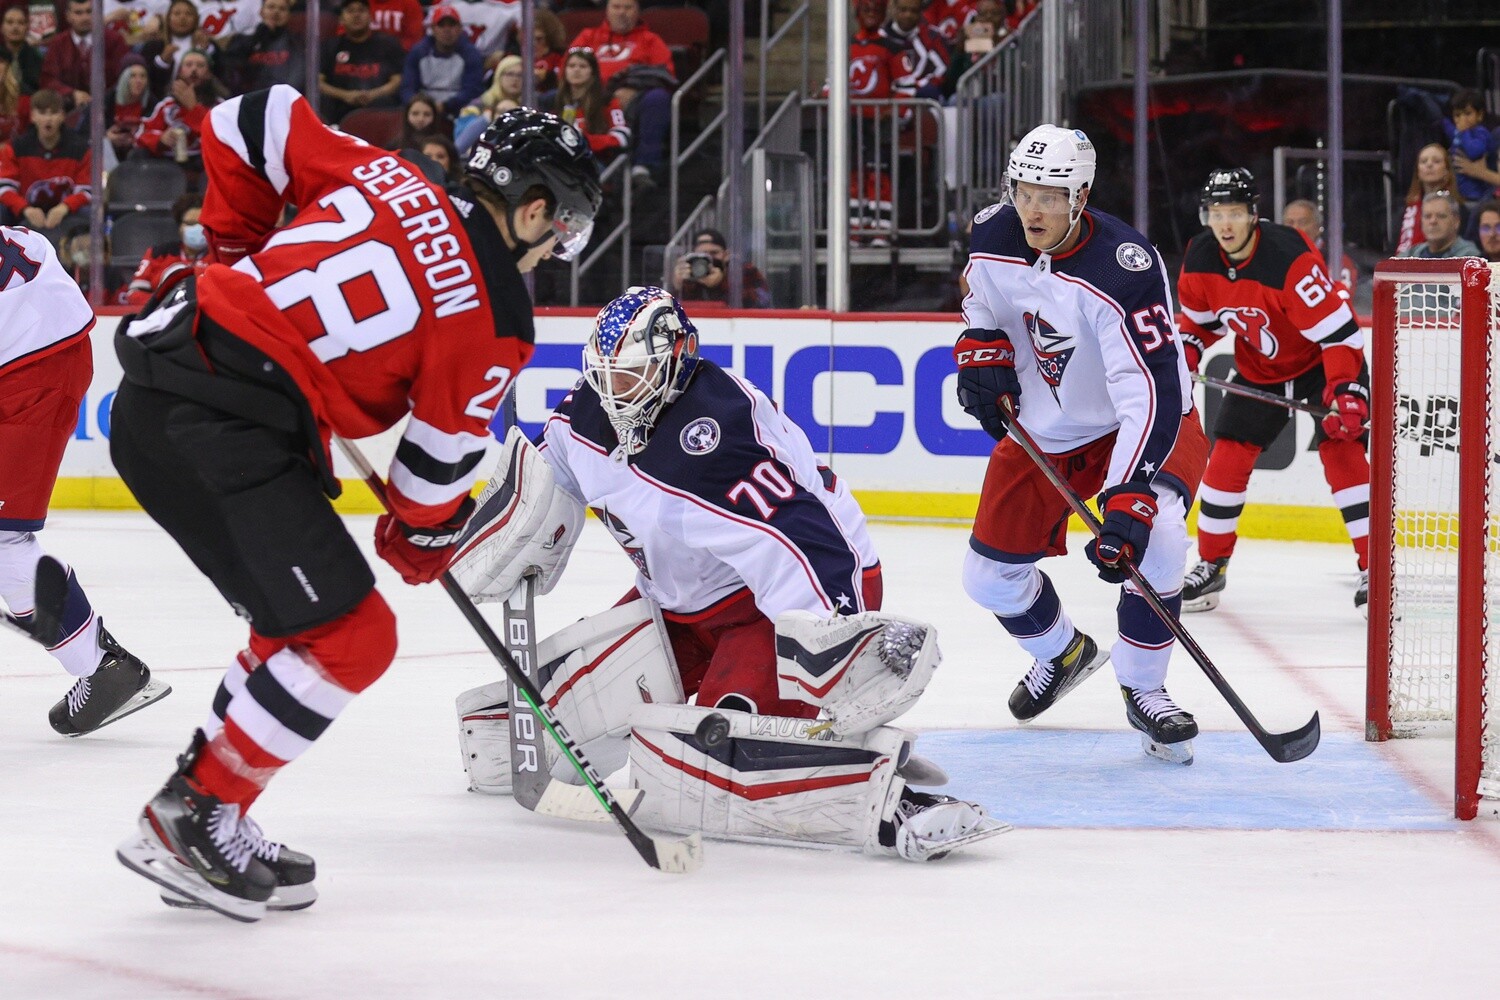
860	670
594	674
522	524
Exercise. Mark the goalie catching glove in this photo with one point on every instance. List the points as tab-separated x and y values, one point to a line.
524	524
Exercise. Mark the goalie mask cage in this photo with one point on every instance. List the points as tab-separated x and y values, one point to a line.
1434	648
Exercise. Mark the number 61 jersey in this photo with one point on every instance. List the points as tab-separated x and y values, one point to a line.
384	294
727	494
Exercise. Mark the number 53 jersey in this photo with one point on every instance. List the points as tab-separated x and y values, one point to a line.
727	494
384	295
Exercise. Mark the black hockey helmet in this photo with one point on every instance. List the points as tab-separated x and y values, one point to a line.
525	148
1229	187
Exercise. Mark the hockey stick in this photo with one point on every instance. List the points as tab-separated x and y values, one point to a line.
1261	395
665	854
1283	747
529	775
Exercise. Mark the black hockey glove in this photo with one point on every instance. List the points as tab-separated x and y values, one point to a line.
1129	511
987	378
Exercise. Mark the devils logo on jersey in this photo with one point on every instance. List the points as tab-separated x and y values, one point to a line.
1053	350
625	537
1253	326
48	192
866	76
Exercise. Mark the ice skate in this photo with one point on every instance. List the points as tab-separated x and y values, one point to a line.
1166	730
1362	594
929	826
1049	680
294	873
120	686
1204	583
193	844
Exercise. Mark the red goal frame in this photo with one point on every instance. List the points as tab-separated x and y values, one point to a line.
1471	277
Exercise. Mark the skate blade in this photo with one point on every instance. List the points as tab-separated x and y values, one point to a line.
153	692
285	899
1172	753
991	827
577	803
1205	603
149	858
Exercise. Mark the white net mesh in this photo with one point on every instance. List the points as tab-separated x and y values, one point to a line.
1428	359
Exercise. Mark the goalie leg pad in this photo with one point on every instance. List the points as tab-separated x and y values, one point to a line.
768	781
593	674
523	523
860	670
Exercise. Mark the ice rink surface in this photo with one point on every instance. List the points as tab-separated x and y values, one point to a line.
1339	876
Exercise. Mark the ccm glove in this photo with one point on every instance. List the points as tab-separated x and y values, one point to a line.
1129	511
987	378
420	555
1350	403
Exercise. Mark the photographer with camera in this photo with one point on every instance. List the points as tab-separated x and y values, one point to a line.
701	274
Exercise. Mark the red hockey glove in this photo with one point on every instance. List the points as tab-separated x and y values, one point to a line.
1350	403
420	555
987	378
1129	511
1192	351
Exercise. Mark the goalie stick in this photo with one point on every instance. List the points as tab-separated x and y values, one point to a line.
663	853
1283	747
1261	395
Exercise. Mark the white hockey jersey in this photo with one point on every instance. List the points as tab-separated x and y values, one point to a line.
489	23
42	309
726	495
1096	342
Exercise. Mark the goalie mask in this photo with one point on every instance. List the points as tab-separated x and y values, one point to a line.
640	357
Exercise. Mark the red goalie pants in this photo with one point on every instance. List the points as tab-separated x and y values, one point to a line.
726	653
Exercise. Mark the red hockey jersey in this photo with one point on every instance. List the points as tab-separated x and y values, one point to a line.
384	296
639	46
154	266
1280	305
35	177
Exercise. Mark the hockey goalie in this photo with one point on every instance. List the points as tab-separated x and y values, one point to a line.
757	595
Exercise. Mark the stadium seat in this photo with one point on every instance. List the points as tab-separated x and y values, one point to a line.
143	185
377	126
328	24
133	233
574	21
685	30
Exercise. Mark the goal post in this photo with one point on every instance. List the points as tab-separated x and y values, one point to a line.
1434	504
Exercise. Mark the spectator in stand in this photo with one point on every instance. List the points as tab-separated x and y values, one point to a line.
76	254
549	45
445	65
361	67
923	50
1433	173
874	64
190	249
223	19
1489	230
504	94
949	18
175	128
580	102
491	25
15	107
1019	11
440	150
1307	218
981	34
183	34
401	19
128	106
65	67
136	21
1440	222
636	65
420	120
45	171
268	55
1469	138
702	274
25	59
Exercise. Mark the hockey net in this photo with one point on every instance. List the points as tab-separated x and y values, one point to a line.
1434	652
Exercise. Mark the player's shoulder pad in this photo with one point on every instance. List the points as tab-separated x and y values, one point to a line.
1202	255
1281	247
706	436
509	300
997	231
1118	261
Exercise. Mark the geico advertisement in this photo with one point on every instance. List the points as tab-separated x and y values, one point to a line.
874	395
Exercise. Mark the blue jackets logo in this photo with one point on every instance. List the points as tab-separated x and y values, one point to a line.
1053	350
701	436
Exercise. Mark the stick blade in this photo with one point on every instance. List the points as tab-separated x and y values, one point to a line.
1285	748
578	803
679	857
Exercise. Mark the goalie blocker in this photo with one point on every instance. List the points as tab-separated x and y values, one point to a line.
841	783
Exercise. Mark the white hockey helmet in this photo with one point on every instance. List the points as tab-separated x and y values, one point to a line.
640	356
1055	157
